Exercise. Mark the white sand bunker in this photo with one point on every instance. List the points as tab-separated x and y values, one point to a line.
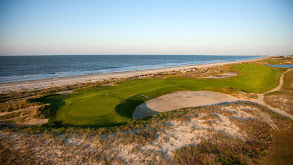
223	75
180	99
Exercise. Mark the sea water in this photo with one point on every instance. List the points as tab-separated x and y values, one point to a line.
282	66
21	68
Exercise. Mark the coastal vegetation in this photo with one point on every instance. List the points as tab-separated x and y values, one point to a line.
119	101
233	133
94	121
146	82
11	105
283	98
281	151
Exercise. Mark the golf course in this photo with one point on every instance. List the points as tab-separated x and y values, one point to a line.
114	105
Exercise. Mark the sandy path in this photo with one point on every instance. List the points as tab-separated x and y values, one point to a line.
280	84
180	99
21	110
31	121
260	99
20	117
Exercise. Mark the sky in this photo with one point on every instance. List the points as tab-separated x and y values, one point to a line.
179	27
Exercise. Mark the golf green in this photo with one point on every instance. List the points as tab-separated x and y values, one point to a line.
91	106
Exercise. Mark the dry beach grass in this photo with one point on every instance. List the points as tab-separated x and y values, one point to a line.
239	133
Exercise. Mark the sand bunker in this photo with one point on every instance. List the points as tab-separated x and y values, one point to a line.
223	75
180	99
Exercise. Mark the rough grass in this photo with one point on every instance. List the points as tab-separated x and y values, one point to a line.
253	78
11	115
281	151
132	143
221	149
11	105
282	99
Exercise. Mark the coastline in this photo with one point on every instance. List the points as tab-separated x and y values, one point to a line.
63	81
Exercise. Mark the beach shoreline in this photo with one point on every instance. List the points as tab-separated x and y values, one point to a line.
30	85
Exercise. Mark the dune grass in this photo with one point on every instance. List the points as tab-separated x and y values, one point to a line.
281	151
91	107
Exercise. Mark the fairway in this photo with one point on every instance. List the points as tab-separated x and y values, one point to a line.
91	107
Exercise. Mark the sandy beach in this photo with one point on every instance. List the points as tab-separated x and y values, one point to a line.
63	81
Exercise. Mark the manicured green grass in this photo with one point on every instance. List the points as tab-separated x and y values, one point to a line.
76	107
90	106
256	78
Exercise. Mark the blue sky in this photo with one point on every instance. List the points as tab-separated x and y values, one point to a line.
200	27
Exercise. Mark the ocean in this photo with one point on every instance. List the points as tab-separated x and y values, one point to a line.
22	68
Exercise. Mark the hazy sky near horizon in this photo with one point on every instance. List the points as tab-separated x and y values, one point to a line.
199	27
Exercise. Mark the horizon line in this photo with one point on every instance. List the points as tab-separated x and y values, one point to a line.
140	54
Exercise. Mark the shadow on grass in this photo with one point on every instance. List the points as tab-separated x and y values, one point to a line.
128	106
125	109
55	102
